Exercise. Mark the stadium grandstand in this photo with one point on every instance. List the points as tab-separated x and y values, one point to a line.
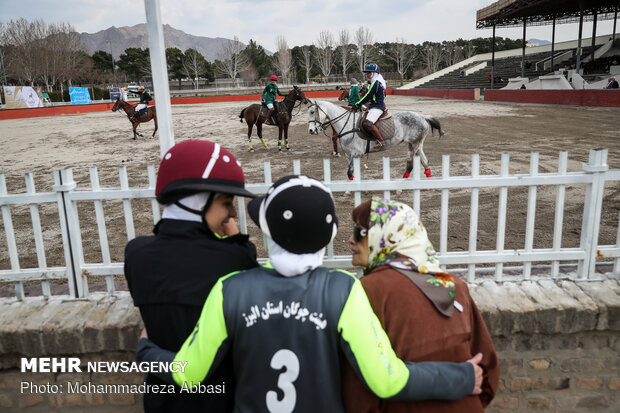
584	63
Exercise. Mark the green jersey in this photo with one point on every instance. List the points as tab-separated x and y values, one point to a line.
269	93
354	95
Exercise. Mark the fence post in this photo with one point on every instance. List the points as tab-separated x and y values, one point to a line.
70	229
593	204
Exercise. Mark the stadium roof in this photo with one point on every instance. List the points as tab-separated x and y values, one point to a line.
510	13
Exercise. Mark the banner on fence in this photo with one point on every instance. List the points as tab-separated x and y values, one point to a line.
79	96
23	97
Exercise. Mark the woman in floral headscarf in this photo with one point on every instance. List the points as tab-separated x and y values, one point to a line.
427	313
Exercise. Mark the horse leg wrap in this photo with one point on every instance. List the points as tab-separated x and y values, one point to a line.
427	172
263	141
406	175
351	178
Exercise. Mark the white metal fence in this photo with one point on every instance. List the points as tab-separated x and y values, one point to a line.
65	196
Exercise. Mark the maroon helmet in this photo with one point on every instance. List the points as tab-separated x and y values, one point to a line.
196	166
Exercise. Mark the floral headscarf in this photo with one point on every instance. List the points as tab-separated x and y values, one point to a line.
396	229
397	238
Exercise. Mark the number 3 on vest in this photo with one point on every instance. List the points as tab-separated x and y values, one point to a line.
284	358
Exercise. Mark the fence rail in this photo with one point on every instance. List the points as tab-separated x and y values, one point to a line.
65	195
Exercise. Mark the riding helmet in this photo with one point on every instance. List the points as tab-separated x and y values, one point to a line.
298	213
194	166
141	88
274	77
371	67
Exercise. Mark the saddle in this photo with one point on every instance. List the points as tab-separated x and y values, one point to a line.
385	123
264	110
140	113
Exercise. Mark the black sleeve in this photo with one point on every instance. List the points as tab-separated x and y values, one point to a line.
437	381
149	351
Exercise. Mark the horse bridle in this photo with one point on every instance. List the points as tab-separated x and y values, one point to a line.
331	121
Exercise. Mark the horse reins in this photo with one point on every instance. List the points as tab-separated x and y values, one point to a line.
331	121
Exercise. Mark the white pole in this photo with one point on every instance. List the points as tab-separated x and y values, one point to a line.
157	51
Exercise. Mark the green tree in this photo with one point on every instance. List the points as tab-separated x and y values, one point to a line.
135	63
102	61
258	58
174	61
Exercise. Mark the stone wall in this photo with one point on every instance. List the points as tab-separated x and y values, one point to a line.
558	342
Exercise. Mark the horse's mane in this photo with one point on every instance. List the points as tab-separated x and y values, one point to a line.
340	108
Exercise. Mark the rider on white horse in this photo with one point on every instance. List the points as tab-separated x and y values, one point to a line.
145	98
376	96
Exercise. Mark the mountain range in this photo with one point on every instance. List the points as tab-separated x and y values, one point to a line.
121	38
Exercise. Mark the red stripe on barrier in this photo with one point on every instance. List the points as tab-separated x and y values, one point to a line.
53	111
101	107
608	98
460	94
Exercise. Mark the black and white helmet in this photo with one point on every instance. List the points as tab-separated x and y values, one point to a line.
298	213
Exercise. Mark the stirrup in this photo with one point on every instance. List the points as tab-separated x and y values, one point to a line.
379	143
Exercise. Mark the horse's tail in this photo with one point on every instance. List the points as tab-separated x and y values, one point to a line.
434	122
241	115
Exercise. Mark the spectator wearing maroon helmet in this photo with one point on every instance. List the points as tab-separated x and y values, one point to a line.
269	98
171	273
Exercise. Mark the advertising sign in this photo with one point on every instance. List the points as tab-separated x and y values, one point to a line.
22	97
79	96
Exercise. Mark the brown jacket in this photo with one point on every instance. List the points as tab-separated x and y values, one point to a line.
418	332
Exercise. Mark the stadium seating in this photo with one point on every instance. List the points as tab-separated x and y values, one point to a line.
505	68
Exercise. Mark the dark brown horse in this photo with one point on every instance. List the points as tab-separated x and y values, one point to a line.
129	109
255	115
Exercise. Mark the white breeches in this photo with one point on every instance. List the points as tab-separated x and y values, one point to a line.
373	114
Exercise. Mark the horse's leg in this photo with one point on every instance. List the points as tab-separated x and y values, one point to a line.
350	169
250	125
155	119
280	129
410	155
335	142
259	130
286	137
427	170
135	129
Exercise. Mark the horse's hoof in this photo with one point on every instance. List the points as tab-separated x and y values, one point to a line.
288	149
251	150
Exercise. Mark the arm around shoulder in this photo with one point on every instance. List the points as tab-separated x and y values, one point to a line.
368	350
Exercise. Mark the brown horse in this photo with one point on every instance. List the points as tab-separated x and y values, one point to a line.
129	109
255	115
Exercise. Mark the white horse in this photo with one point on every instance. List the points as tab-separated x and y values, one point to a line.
409	127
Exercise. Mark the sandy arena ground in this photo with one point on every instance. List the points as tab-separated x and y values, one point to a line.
41	145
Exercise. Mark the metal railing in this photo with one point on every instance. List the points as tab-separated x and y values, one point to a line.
65	195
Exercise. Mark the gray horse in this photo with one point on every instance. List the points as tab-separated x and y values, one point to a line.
409	127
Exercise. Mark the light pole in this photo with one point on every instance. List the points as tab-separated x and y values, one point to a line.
113	64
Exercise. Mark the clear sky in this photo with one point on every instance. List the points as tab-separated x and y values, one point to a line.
299	21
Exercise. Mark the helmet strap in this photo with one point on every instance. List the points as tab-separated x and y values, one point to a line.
188	209
206	207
